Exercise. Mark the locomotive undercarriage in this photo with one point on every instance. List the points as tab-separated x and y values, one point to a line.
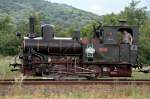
57	66
62	66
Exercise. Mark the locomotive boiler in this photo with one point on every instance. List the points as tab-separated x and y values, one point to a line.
102	55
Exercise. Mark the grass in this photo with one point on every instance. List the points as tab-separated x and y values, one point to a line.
5	70
140	75
78	92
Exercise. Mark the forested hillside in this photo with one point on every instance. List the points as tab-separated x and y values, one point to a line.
14	18
58	14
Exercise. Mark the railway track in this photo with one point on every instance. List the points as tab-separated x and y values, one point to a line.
74	82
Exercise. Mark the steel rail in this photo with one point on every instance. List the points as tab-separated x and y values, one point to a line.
75	82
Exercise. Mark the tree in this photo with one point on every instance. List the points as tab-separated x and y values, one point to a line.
7	25
87	30
144	46
8	42
133	14
110	19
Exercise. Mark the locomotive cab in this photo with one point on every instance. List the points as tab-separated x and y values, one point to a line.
112	52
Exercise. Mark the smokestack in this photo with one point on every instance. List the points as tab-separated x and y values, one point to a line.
31	27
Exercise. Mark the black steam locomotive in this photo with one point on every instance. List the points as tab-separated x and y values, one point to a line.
102	55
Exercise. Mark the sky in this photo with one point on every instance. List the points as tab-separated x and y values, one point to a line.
102	7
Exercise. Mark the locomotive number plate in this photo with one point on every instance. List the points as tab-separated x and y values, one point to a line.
103	50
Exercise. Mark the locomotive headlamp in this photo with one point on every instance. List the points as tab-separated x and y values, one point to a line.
90	50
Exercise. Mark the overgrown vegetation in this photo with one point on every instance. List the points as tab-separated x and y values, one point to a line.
5	72
77	92
14	18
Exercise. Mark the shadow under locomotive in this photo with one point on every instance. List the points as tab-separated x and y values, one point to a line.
103	55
